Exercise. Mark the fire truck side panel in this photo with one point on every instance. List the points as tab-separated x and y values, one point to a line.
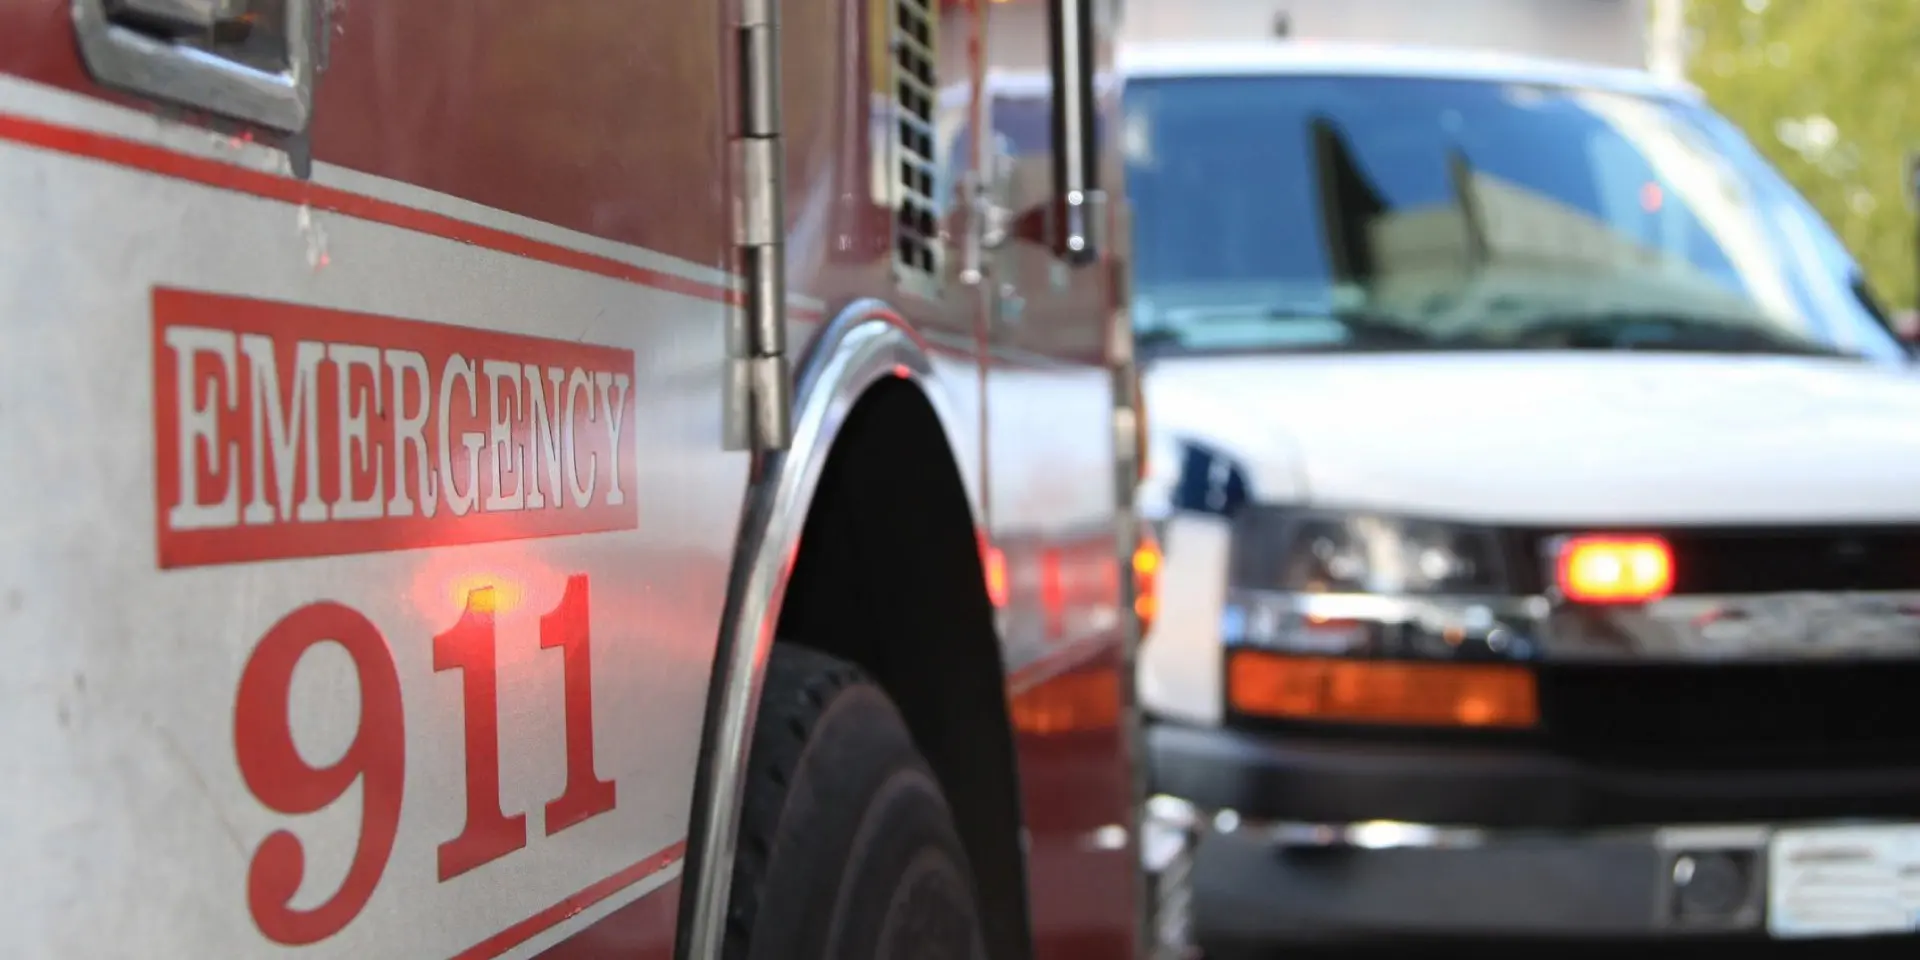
177	365
264	693
477	728
1040	478
1053	495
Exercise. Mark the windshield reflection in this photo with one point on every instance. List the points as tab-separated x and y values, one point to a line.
1390	213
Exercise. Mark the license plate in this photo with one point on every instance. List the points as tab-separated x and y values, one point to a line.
1843	881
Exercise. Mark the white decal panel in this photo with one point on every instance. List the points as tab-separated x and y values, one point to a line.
373	594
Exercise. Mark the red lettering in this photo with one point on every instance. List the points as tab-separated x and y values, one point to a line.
284	783
489	833
274	771
289	431
565	629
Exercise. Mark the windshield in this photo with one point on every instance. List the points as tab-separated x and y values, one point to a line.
1390	213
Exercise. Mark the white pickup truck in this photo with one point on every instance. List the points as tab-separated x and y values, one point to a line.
1539	486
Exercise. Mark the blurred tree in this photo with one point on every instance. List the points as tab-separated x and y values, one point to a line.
1829	90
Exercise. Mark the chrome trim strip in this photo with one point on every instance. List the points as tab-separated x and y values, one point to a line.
1375	625
1789	627
865	343
1803	626
1175	814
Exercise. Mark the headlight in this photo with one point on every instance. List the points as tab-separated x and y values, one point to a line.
1351	617
1315	552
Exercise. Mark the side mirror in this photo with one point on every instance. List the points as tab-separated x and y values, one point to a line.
1079	203
1913	179
1906	326
1913	201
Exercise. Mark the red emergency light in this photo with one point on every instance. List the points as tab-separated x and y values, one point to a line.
1614	569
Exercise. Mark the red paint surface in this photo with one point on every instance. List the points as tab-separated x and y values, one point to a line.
235	479
576	112
582	113
1075	781
36	42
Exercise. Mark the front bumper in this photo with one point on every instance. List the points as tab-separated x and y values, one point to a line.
1270	884
1273	778
1275	842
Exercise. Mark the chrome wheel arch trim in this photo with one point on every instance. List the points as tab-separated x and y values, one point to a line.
863	344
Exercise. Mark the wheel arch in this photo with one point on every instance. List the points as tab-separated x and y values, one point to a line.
869	473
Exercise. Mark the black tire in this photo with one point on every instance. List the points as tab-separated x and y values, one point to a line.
847	848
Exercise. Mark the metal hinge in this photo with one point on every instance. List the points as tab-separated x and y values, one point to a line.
759	389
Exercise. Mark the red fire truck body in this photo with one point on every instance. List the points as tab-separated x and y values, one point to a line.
424	424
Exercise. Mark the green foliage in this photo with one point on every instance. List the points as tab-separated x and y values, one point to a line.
1829	90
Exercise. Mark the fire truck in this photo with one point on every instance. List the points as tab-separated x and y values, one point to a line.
561	479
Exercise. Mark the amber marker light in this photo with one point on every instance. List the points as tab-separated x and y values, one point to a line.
1146	581
1333	690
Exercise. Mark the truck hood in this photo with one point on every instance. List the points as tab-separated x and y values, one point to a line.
1552	437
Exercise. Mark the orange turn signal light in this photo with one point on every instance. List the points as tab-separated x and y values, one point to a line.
995	563
1074	702
1362	691
1609	569
1146	581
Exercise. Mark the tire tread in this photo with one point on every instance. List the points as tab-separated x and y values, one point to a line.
800	683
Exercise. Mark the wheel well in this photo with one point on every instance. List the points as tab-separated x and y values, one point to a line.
889	577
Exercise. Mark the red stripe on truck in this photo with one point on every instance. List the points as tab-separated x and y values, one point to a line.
641	930
225	176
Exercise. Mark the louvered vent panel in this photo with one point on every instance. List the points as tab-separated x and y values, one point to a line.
916	228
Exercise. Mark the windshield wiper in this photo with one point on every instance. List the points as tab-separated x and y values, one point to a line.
1364	330
1157	338
1664	331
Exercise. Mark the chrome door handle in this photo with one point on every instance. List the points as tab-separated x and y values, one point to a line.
972	194
189	52
195	13
989	222
987	230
